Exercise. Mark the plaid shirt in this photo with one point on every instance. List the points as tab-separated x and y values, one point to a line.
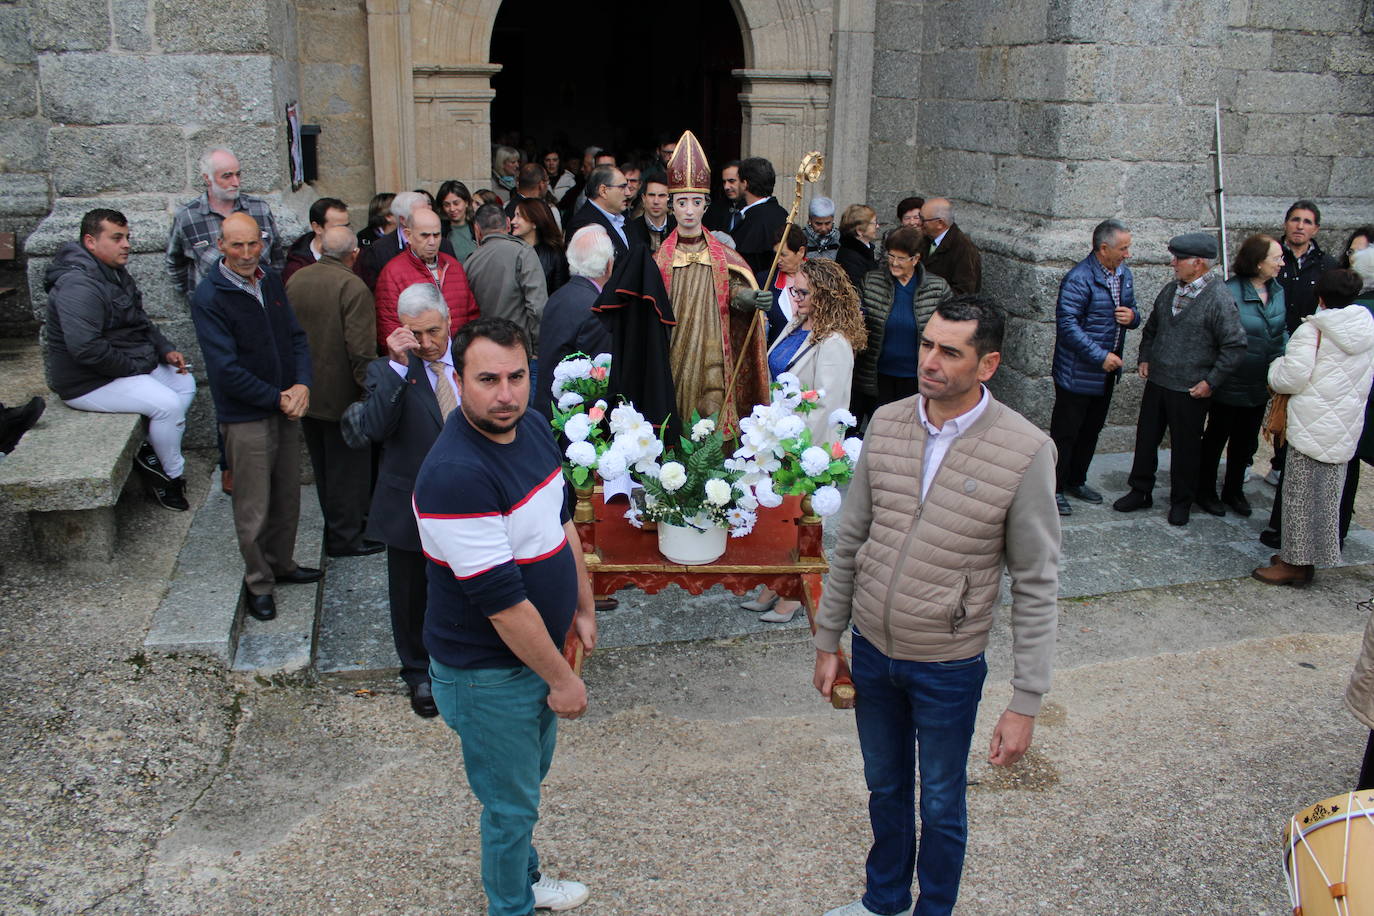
191	248
253	289
1113	280
1189	291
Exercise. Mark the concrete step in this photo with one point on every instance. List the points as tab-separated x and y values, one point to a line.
203	609
355	618
287	643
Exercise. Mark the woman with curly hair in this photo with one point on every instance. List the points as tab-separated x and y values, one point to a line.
533	224
818	347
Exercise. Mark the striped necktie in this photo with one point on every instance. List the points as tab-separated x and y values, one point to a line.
443	388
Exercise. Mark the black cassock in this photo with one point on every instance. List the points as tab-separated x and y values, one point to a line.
635	306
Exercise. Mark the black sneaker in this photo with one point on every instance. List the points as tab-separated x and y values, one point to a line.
147	461
15	421
172	495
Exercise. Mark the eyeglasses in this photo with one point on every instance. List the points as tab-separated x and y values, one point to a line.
800	294
899	258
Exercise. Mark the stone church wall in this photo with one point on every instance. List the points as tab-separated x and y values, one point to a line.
1042	118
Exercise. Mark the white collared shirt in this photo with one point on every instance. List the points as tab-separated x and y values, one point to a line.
939	440
617	221
939	238
746	209
447	359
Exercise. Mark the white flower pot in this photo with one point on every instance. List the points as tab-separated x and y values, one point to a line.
690	546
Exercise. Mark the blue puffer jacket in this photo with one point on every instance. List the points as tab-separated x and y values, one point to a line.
1266	334
1086	328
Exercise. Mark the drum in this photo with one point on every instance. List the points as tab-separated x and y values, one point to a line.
1330	857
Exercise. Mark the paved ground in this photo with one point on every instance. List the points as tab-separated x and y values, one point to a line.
1186	723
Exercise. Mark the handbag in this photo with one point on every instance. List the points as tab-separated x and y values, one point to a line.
1275	425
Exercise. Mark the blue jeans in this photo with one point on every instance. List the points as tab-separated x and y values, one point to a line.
915	715
507	730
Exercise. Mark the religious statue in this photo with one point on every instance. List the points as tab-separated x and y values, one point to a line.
715	301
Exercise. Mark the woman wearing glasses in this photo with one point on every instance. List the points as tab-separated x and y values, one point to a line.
896	303
818	347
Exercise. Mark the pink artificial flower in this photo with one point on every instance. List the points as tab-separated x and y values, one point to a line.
596	413
812	395
837	450
599	373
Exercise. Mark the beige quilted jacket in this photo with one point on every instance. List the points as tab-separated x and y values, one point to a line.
919	579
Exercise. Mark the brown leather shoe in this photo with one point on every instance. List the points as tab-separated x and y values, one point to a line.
226	482
1280	573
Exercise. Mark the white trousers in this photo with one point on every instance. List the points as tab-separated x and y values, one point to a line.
162	396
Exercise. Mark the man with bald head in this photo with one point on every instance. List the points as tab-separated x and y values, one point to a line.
952	256
191	246
335	309
423	261
373	259
258	364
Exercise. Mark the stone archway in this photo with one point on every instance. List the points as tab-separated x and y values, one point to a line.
431	86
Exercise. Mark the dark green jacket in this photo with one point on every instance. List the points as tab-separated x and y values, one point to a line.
1266	334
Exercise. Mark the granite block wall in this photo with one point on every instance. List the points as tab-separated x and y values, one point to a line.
1042	117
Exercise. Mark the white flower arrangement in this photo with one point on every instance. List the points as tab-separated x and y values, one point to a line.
695	484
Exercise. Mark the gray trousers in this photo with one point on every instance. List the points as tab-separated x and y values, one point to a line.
265	458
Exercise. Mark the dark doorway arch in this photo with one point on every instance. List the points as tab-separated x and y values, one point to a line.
619	76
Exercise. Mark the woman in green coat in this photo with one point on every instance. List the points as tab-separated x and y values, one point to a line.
1237	409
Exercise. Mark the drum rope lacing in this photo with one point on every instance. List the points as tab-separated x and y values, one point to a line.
1341	904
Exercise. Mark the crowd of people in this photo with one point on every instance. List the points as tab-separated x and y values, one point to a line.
458	302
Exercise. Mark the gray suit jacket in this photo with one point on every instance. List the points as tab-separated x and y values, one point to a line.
402	415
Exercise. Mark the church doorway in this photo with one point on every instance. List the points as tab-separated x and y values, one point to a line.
620	76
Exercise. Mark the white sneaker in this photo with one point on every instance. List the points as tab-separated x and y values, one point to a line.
1272	478
552	894
857	908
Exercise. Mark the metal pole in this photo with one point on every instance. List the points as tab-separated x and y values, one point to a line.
1221	196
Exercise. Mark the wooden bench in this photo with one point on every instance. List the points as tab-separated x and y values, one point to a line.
66	474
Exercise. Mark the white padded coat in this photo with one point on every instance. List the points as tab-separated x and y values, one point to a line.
1328	380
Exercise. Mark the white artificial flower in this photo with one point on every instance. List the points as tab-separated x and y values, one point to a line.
601	359
703	428
842	417
578	426
601	403
745	499
826	500
852	447
741	522
560	371
789	427
568	400
788	380
633	516
623	418
578	368
612	464
672	476
814	461
764	493
717	491
582	454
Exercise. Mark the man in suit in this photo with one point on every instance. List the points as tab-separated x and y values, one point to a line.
759	218
569	325
952	256
605	206
409	393
335	309
723	214
375	257
656	221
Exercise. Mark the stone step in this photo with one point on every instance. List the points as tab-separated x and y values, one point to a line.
202	611
287	643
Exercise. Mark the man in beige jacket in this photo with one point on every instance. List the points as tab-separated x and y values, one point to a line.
951	486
